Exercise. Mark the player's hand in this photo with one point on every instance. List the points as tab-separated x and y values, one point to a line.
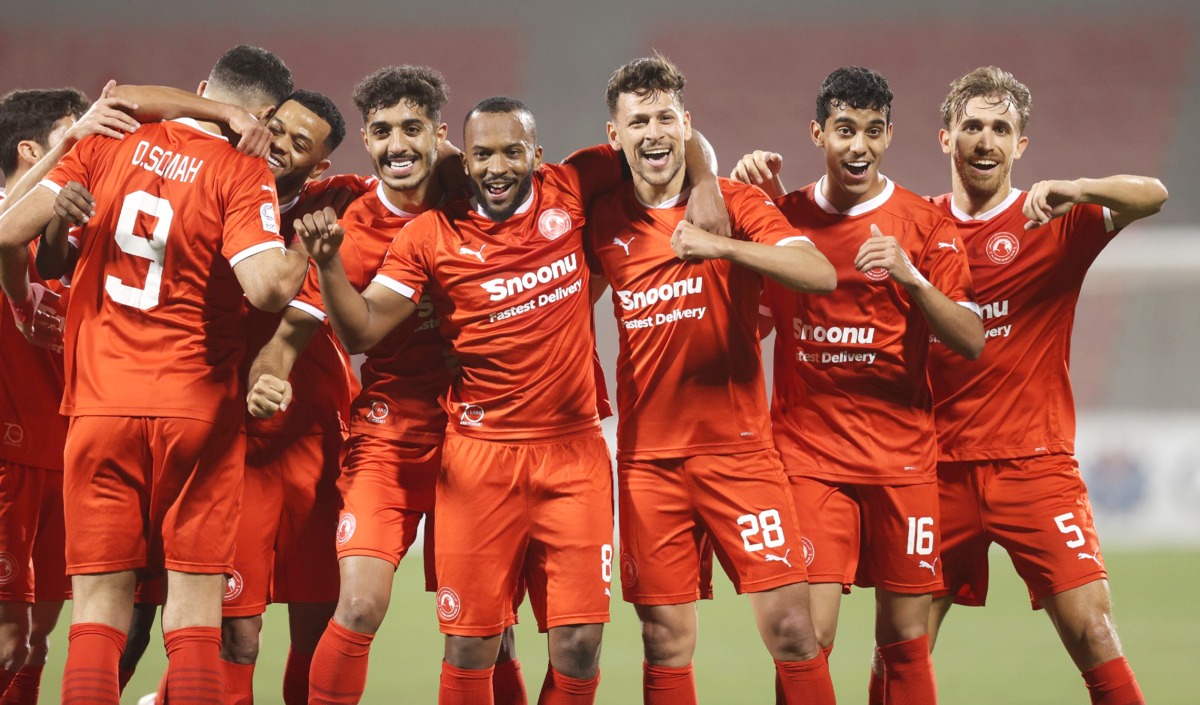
884	252
40	318
691	243
337	198
255	138
1048	200
108	116
268	396
706	208
320	234
758	168
74	204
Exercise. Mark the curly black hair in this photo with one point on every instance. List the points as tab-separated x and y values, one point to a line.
417	85
323	107
855	87
30	115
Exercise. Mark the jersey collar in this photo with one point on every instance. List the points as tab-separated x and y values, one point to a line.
1013	195
196	126
382	195
671	202
888	189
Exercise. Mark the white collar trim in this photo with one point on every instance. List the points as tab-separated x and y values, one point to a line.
671	202
889	188
388	204
1013	195
196	126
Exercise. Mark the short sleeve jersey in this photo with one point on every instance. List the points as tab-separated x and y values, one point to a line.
322	378
155	320
852	401
689	370
512	299
31	385
403	376
1015	401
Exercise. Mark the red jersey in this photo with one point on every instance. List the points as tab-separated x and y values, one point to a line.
689	371
513	302
1015	401
852	399
322	378
155	320
406	373
31	387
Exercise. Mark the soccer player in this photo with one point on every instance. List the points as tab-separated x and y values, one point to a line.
853	415
35	124
1006	422
526	488
285	550
184	227
695	459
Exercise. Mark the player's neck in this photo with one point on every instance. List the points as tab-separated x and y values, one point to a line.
844	200
656	194
414	200
973	202
11	180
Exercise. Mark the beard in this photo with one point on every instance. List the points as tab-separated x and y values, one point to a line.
524	186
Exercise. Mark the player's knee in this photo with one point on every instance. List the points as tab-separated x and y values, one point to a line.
362	613
667	644
474	653
240	639
791	637
14	651
39	650
1097	638
575	650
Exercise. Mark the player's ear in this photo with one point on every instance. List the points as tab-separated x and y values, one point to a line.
29	151
1021	145
611	129
537	156
318	169
887	139
687	125
944	139
442	131
202	87
265	114
818	135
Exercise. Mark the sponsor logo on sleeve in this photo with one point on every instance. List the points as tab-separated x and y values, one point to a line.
346	526
810	551
269	222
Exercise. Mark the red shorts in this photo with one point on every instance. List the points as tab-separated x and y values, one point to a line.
285	549
870	535
32	556
669	508
1036	508
387	486
155	492
538	510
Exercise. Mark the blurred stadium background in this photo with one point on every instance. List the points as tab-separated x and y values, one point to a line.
1116	89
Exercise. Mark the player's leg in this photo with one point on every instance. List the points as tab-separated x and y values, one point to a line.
144	613
1084	620
27	684
14	640
20	500
508	683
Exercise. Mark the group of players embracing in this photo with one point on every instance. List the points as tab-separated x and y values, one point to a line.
164	267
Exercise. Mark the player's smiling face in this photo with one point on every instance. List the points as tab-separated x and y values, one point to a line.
501	153
651	130
403	142
299	147
854	140
983	143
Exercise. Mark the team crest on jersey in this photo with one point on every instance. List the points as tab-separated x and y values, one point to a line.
13	434
449	606
629	571
345	530
878	274
378	413
8	568
269	222
809	551
554	223
1002	248
471	415
233	586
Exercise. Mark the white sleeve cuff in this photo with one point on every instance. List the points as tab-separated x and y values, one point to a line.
971	306
402	289
794	238
251	251
50	185
308	308
1108	221
764	310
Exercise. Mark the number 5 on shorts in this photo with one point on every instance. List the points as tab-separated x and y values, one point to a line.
767	523
1066	528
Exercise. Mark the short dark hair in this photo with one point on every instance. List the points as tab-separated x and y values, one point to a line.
420	86
991	83
322	107
30	115
644	77
855	87
500	104
252	71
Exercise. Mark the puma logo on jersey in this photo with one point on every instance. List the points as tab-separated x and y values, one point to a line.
931	566
266	188
477	254
1091	556
950	245
623	245
782	559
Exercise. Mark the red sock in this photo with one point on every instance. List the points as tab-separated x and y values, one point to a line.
664	685
295	677
338	673
24	687
6	679
508	685
194	673
93	654
908	673
239	682
564	690
1113	683
123	678
803	682
875	685
462	686
828	651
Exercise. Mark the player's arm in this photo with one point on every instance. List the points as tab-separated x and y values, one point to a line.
797	264
154	103
270	390
18	227
73	206
959	327
706	205
360	321
1129	198
761	169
